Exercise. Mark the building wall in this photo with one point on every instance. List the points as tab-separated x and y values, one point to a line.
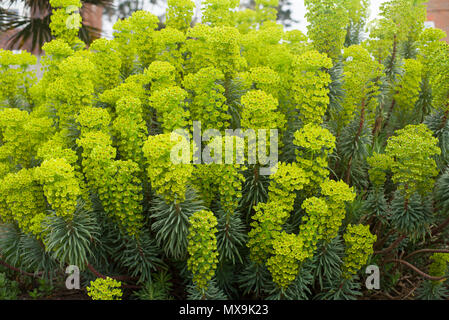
438	13
92	16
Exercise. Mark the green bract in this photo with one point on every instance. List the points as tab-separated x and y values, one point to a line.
105	289
412	150
202	248
359	247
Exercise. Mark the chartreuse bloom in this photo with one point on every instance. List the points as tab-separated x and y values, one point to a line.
61	188
310	85
15	76
179	14
315	144
202	248
408	85
270	216
336	195
414	167
66	20
167	178
22	200
328	23
438	267
359	247
105	289
379	164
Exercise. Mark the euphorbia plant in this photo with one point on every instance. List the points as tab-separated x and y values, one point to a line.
87	168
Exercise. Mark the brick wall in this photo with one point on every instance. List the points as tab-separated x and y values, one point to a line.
438	13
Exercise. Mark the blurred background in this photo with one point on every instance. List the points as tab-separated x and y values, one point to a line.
24	24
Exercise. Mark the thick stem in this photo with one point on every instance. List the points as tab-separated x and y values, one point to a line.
428	251
393	54
357	137
37	274
390	112
440	228
384	239
118	278
392	246
445	117
422	273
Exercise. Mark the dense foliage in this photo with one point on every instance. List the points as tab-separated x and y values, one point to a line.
88	177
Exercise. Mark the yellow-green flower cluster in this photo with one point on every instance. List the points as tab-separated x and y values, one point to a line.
60	186
288	179
15	78
360	74
72	89
270	216
125	187
167	178
328	20
266	10
219	12
260	111
106	59
290	250
379	164
296	41
133	86
437	65
267	225
161	75
22	200
336	195
230	187
134	36
55	149
265	79
311	230
222	179
310	85
359	247
22	133
202	248
169	47
438	267
93	119
262	48
105	289
217	47
66	20
429	47
205	180
179	14
409	85
287	255
130	129
171	109
315	144
116	181
93	140
413	149
245	20
56	51
208	101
